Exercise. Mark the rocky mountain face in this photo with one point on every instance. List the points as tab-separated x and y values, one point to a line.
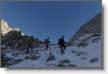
90	29
14	38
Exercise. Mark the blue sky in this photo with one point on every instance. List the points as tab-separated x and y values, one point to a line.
49	19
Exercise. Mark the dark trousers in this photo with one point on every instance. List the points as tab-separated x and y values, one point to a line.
29	49
62	49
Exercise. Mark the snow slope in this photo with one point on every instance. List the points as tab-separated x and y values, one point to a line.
74	57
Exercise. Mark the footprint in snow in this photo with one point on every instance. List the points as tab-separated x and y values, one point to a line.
74	51
81	53
93	60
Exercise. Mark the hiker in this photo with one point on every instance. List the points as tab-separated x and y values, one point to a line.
46	43
30	44
62	45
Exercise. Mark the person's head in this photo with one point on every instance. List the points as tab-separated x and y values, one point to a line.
62	37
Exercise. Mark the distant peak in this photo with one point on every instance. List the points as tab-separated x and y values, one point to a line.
5	28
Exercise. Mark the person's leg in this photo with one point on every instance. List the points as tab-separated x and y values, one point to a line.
27	50
64	47
61	49
31	48
46	46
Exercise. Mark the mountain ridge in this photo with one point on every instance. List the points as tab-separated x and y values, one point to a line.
91	27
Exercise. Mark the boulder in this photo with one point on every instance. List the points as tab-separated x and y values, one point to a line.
51	57
93	60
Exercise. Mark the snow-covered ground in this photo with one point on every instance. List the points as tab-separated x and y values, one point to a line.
74	57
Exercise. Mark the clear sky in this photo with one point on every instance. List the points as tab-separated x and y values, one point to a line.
49	19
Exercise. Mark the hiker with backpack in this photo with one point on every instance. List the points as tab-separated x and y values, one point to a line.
46	42
30	45
61	44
